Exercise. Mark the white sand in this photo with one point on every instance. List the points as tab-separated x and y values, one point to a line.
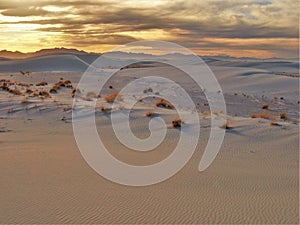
254	179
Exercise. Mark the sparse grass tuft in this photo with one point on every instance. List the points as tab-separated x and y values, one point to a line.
44	94
253	115
111	97
90	95
53	89
15	91
274	123
226	125
102	108
146	90
42	83
29	91
263	115
177	122
283	116
149	113
164	103
24	101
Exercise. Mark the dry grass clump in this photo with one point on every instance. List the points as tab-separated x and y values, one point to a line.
205	112
149	113
35	94
25	72
263	115
265	106
22	84
111	97
253	116
29	91
60	84
90	95
177	122
44	94
164	103
274	123
102	108
53	89
15	91
24	101
42	83
4	87
226	125
283	116
68	84
146	90
74	91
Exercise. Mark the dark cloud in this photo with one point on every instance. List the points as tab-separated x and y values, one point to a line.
186	22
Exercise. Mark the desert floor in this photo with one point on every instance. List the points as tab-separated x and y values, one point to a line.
254	179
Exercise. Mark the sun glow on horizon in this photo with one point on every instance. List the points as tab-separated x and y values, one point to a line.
235	28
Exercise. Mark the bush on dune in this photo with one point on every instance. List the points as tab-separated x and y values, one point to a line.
164	103
177	122
111	97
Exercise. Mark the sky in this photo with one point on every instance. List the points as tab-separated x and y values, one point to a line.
240	28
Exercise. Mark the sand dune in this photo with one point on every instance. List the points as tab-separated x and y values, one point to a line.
254	179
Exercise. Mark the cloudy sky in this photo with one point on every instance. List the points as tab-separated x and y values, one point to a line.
256	28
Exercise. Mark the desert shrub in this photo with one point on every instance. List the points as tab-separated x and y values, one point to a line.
60	84
68	84
42	83
283	116
44	93
24	101
274	123
29	91
146	90
164	103
90	95
226	125
177	122
4	87
149	113
53	89
253	115
265	106
111	97
102	108
15	91
263	115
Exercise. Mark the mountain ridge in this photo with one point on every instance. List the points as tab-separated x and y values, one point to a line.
49	51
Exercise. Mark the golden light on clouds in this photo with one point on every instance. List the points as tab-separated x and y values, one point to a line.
268	28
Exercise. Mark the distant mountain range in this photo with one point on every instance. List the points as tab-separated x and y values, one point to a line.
21	55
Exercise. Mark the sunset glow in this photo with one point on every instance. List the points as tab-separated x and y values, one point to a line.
268	28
